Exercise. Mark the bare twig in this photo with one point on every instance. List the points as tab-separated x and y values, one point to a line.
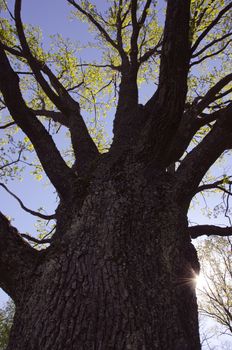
211	55
214	185
118	68
7	125
35	240
96	24
211	44
32	212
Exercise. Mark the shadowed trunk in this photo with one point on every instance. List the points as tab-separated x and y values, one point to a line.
121	274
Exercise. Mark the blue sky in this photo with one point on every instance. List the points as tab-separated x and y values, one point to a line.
52	17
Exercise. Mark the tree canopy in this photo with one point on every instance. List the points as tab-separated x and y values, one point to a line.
128	38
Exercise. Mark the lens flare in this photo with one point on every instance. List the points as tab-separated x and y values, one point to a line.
200	281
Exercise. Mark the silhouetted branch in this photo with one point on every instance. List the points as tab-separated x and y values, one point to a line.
212	94
215	185
7	125
166	106
211	55
32	212
213	42
35	240
151	52
143	17
96	24
209	230
210	26
17	259
194	166
55	167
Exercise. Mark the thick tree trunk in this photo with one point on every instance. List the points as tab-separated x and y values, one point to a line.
119	274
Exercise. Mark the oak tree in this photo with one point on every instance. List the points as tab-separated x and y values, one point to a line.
119	270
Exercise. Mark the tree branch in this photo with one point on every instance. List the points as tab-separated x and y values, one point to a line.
17	260
36	66
209	230
150	52
211	95
84	147
195	165
56	169
32	212
96	24
137	25
223	94
213	42
144	13
127	108
211	55
7	125
135	33
119	34
193	119
167	104
35	240
214	185
212	24
11	50
54	115
113	67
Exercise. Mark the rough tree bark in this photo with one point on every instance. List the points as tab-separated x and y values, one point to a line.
121	275
120	270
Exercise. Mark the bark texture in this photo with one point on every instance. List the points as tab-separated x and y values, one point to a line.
120	275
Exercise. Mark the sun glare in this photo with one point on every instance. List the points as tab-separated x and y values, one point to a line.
200	281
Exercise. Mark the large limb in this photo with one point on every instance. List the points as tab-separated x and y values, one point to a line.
201	158
128	88
209	230
17	260
219	185
56	97
167	105
120	18
137	25
56	169
84	147
56	116
193	119
128	120
212	94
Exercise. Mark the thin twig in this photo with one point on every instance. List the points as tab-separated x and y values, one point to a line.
32	212
7	125
35	240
